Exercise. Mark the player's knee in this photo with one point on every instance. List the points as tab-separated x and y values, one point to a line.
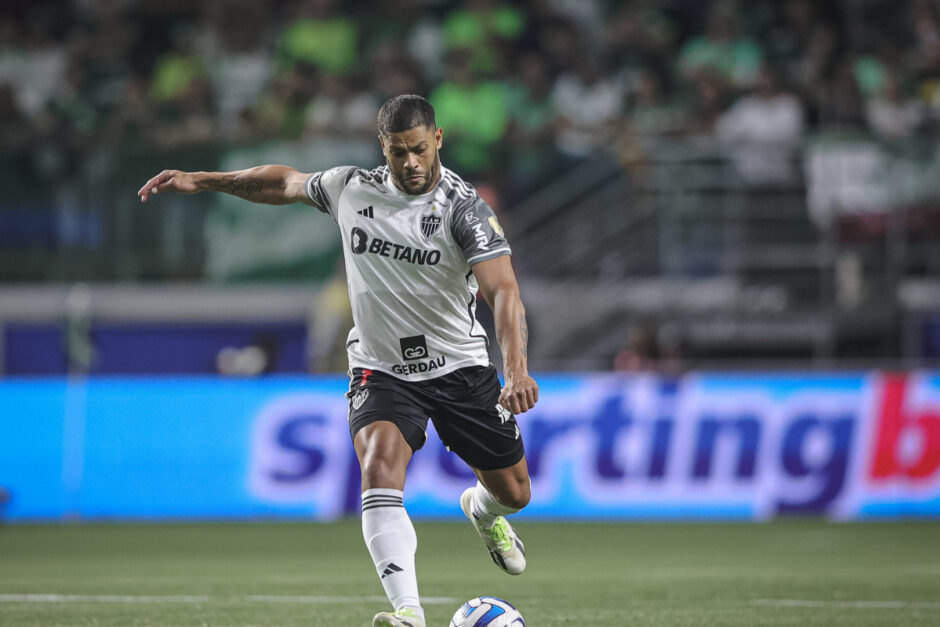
379	472
517	496
383	456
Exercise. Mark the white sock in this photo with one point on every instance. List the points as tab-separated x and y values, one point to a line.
392	542
485	506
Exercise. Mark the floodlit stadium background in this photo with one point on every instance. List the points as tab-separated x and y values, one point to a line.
725	220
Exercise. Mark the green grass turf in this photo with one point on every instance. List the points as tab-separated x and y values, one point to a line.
579	574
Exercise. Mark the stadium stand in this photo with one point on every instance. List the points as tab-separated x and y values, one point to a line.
737	180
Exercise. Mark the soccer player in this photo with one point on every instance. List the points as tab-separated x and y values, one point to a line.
418	244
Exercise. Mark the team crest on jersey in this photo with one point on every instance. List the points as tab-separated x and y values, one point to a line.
430	224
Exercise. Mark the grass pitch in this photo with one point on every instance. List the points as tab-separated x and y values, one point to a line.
781	573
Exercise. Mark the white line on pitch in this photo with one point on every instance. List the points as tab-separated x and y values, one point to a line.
891	605
255	598
316	599
99	598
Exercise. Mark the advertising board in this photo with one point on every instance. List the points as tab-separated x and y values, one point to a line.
706	446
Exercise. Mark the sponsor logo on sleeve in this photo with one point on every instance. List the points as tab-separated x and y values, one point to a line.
479	234
496	227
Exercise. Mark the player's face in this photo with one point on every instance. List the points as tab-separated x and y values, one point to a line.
413	158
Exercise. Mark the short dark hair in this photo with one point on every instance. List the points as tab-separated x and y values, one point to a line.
403	113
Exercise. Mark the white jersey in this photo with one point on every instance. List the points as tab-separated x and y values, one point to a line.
408	262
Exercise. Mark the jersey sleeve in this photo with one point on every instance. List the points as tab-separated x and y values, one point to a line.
477	231
324	188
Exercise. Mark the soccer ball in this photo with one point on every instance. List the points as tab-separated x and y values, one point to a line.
487	612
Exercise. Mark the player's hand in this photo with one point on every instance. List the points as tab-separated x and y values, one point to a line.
520	394
169	181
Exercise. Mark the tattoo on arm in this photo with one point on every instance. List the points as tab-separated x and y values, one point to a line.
232	185
524	332
245	190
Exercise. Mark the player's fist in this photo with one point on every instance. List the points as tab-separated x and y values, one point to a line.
169	181
519	394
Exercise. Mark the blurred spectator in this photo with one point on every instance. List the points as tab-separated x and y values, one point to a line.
926	57
558	41
66	131
177	69
890	114
339	110
707	101
321	36
15	137
839	101
642	37
282	111
926	29
486	28
763	128
474	113
132	121
394	72
238	60
531	126
587	105
652	112
588	15
329	322
723	50
405	25
74	105
638	353
105	51
870	74
800	42
78	338
14	125
31	61
188	118
651	347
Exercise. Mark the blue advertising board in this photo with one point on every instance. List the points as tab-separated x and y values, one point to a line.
178	348
706	446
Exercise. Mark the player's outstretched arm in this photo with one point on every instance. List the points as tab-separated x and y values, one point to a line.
500	289
268	184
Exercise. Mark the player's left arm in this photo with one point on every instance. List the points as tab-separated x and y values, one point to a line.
501	290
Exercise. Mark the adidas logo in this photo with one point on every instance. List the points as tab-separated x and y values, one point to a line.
392	568
367	212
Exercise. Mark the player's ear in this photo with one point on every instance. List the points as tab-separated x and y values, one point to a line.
438	136
382	142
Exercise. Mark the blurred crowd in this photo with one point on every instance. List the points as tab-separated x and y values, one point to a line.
521	88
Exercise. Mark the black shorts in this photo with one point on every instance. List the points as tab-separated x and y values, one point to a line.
461	404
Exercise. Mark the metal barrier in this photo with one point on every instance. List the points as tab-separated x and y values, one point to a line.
819	239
